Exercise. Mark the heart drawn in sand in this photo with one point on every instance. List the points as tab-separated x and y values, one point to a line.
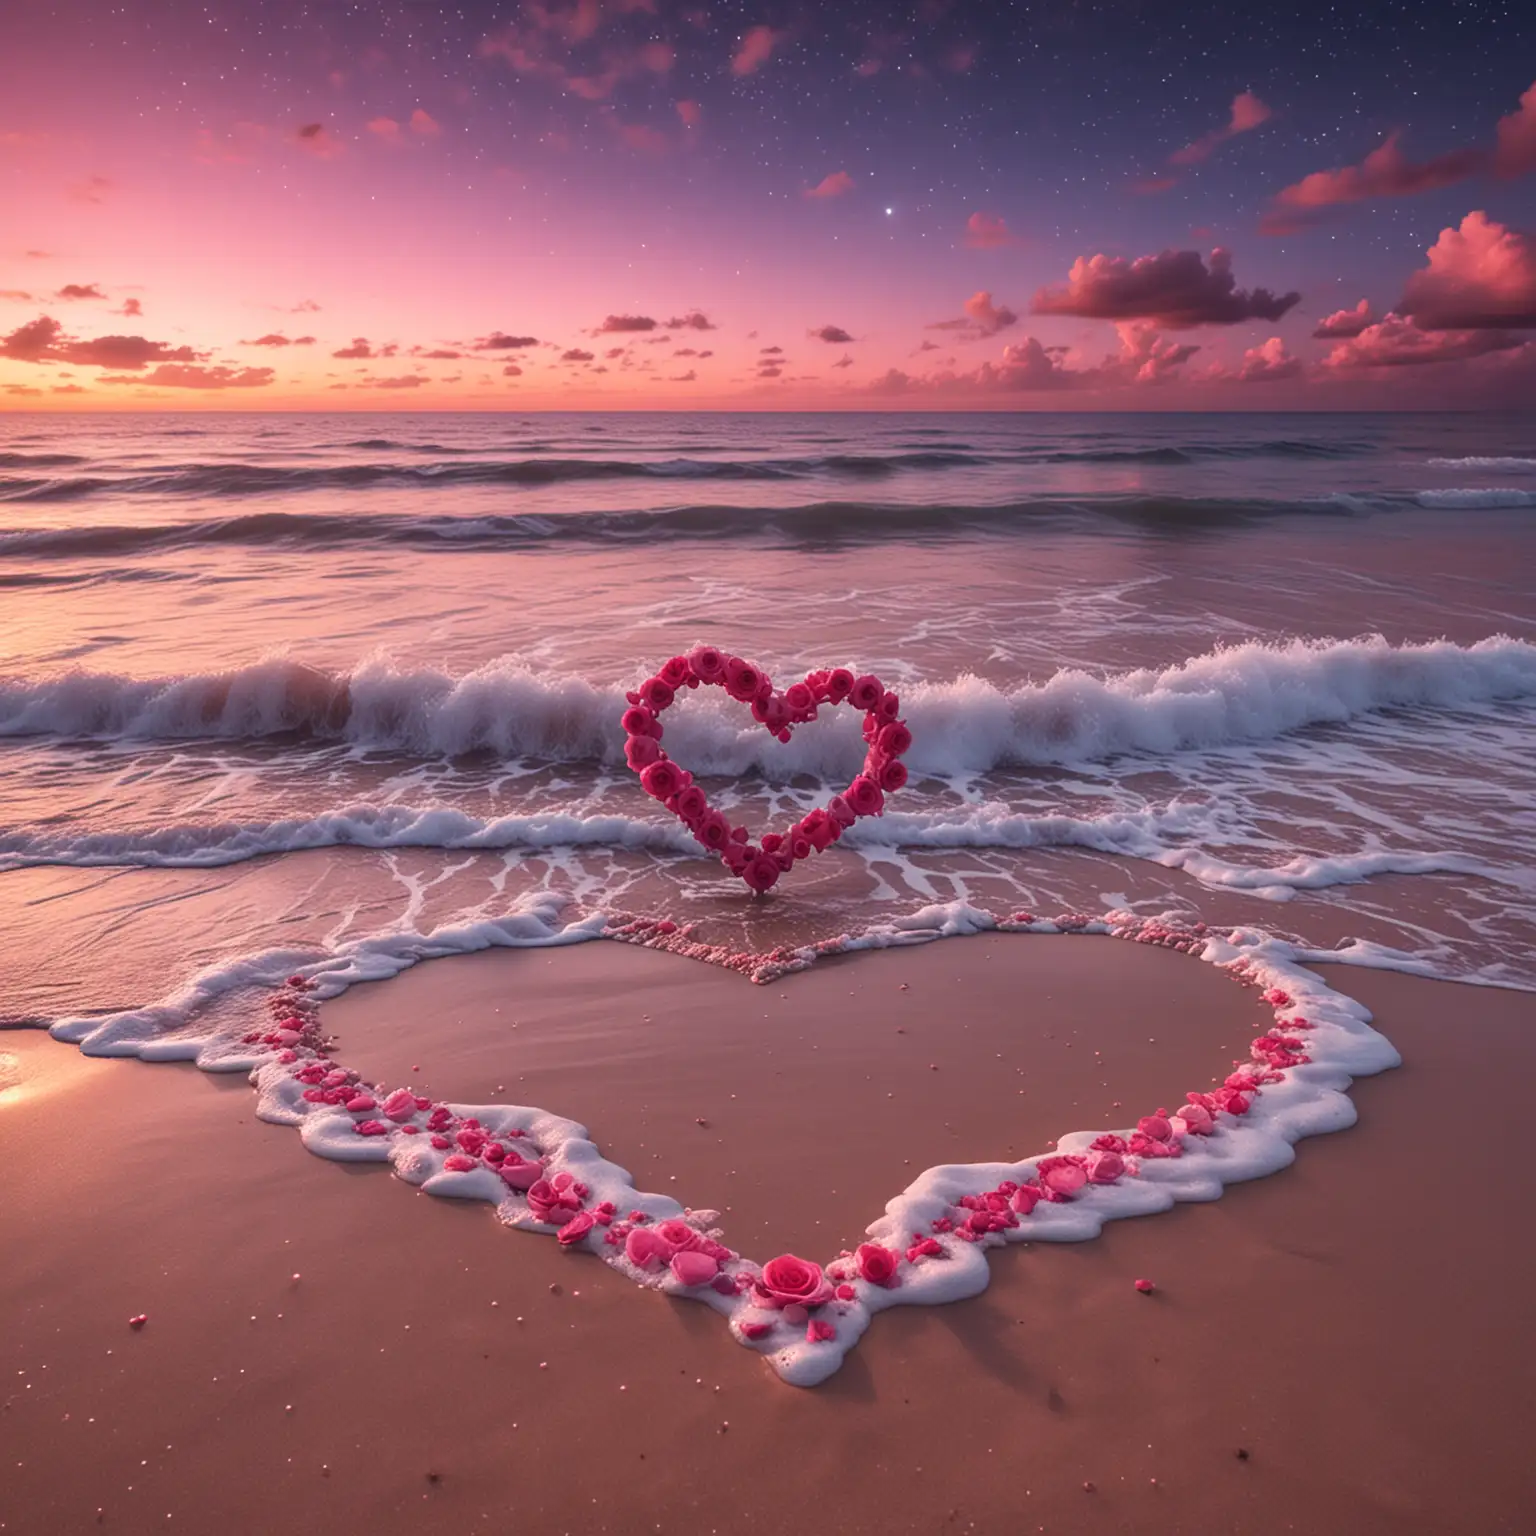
760	865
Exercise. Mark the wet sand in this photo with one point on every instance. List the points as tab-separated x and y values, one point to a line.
1343	1347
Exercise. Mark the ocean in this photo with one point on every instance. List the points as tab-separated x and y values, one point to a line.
281	688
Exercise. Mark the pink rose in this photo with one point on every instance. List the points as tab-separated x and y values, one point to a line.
662	780
787	1281
876	1264
761	873
864	796
1155	1126
894	739
682	1237
692	805
1196	1118
708	663
655	693
893	776
516	1173
1025	1198
400	1105
1060	1177
839	684
714	831
1104	1167
675	673
799	846
639	722
866	693
641	751
693	1268
576	1228
742	679
889	707
816	828
799	698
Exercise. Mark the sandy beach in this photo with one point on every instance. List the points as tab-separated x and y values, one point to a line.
1339	1347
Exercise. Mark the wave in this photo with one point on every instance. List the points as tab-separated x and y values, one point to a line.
1237	694
817	522
40	460
1476	498
1479	461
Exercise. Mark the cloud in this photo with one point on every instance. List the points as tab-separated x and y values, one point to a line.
277	339
843	362
67	389
690	112
499	341
131	307
1145	357
303	307
316	139
385	128
1396	342
43	340
833	185
625	323
512	371
1385	172
438	354
1515	151
771	351
682	378
22	389
981	318
756	48
1147	185
988	232
642	137
424	125
93	189
400	381
694	320
178	376
1247	113
770	370
1481	276
80	291
548	38
1175	288
358	349
16	294
575	355
1269	363
1343	323
693	352
834	335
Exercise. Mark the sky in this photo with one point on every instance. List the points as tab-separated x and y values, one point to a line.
747	205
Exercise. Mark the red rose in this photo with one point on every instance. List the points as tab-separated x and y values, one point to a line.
876	1264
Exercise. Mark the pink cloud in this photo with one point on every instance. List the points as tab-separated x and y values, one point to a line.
181	376
1344	323
17	295
833	185
400	381
1145	357
385	128
1174	288
512	371
575	355
1515	153
1151	184
690	112
1269	363
834	335
650	141
987	317
80	291
1247	113
694	320
131	307
623	323
316	139
424	125
682	378
1385	172
499	341
1480	276
359	349
1395	342
43	340
277	339
988	232
755	49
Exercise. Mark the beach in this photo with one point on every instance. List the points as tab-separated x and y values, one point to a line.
1336	1347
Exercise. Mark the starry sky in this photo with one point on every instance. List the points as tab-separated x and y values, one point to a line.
743	204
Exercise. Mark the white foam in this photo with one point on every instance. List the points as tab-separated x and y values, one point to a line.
1474	498
1245	693
1485	461
1309	1099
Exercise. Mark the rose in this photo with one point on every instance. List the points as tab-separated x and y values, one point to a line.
576	1228
761	873
655	693
866	693
864	796
839	684
645	1244
708	663
843	815
693	1268
400	1105
889	707
692	804
894	739
1155	1126
1196	1118
893	776
682	1237
735	856
788	1281
662	779
1025	1198
714	831
799	698
817	829
877	1264
1060	1177
641	751
638	721
676	672
1104	1167
775	713
742	679
799	846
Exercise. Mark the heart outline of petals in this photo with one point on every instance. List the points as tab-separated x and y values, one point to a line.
759	865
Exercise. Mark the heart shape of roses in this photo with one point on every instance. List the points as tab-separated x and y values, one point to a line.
761	864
